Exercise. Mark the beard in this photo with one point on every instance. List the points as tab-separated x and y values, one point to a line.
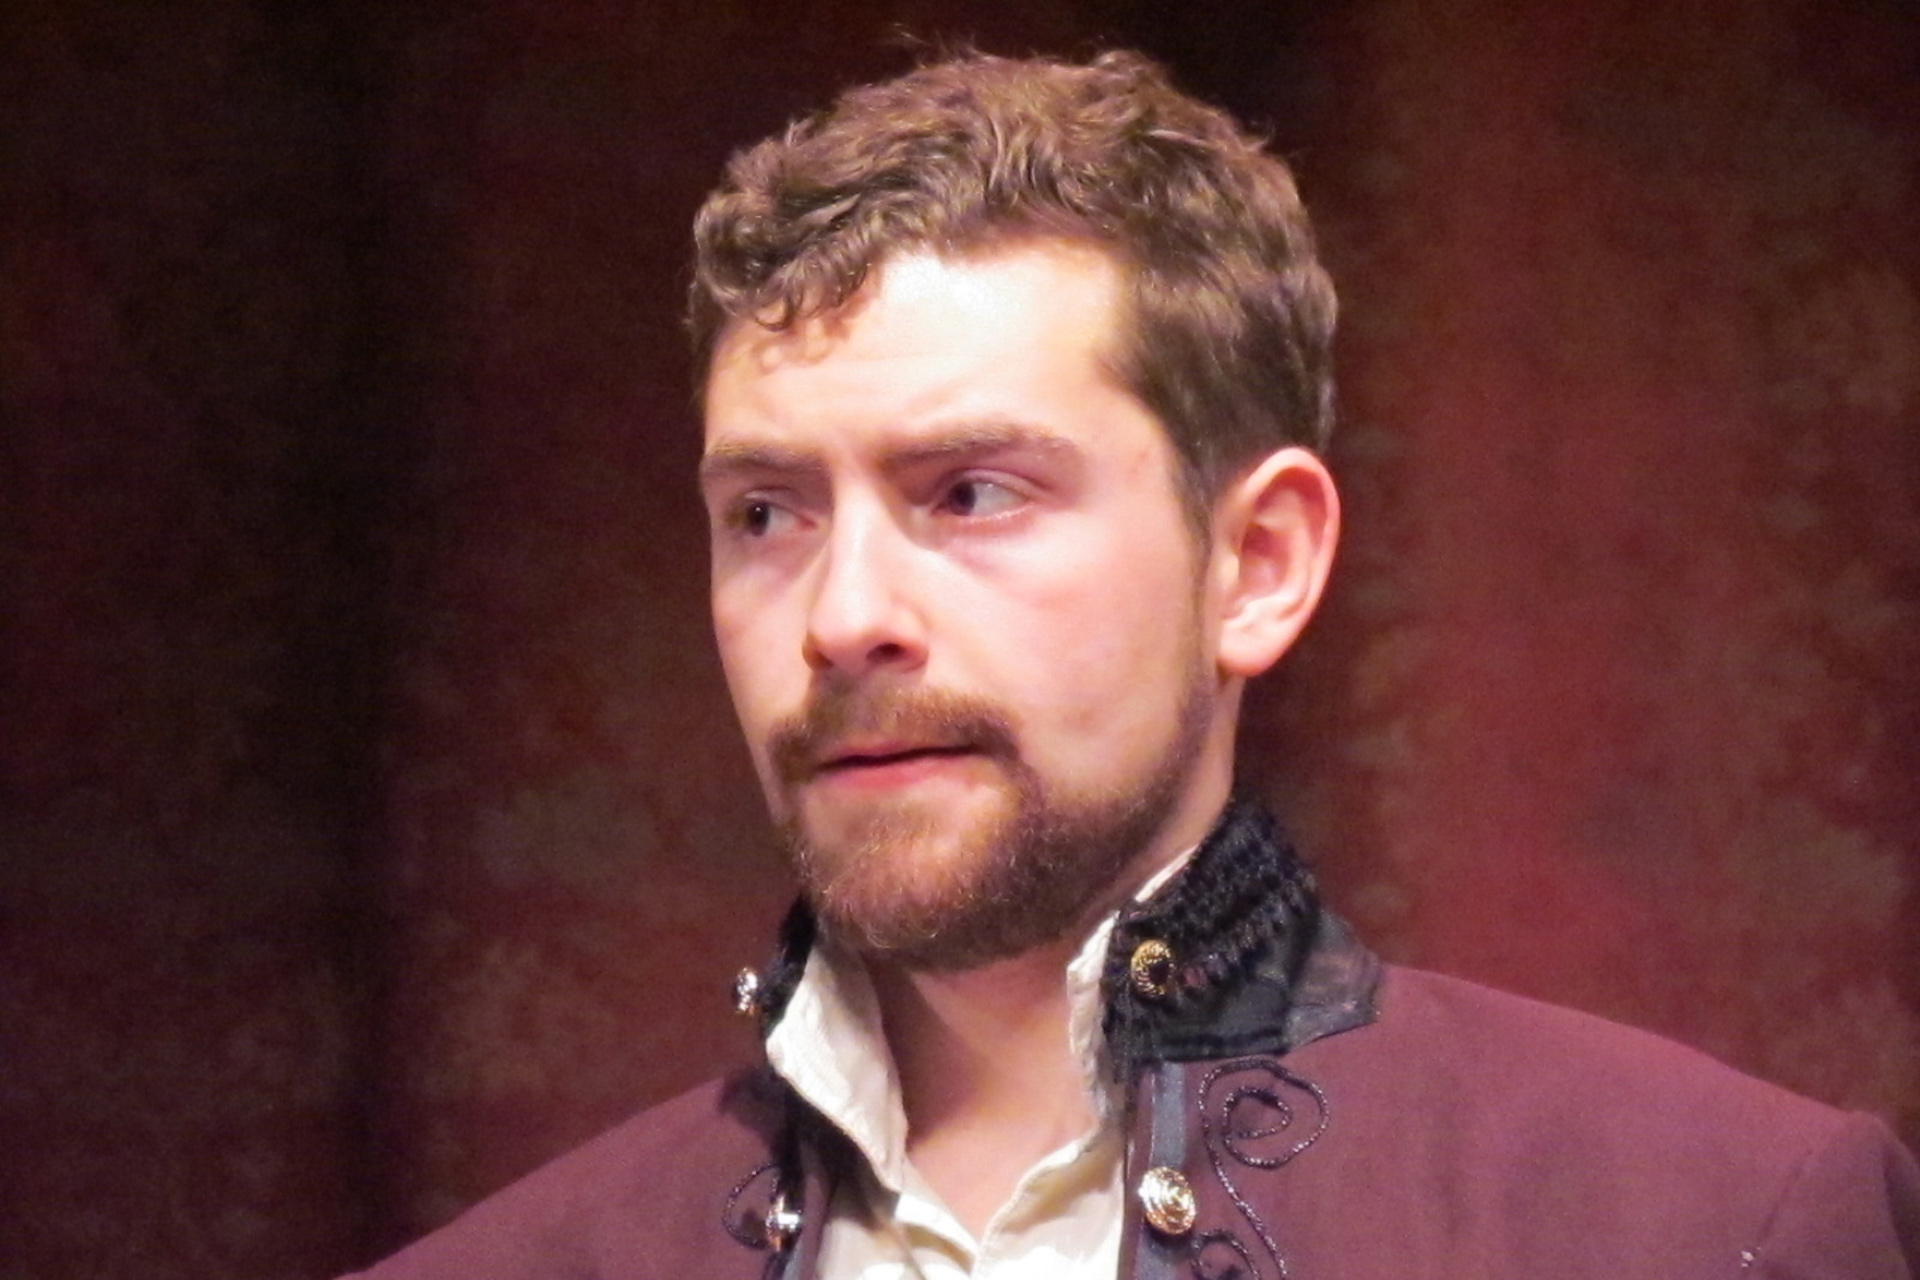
1020	875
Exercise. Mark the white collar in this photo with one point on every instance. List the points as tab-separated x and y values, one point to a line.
831	1047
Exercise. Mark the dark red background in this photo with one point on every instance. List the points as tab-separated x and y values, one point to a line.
374	825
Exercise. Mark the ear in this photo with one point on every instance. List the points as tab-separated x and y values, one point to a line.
1274	532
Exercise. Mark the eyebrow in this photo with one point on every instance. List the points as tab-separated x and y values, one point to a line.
729	458
941	442
969	439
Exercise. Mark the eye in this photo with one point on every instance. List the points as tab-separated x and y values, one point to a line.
758	517
975	496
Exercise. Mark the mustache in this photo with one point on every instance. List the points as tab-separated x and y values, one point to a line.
801	744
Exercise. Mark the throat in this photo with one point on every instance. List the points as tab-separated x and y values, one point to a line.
989	1079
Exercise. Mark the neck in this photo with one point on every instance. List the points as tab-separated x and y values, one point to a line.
988	1077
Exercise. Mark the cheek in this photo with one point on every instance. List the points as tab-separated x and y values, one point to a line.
756	704
748	657
1101	657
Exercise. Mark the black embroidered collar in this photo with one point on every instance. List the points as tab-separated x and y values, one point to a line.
1232	956
1207	967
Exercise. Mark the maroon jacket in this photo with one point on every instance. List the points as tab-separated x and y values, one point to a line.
1333	1120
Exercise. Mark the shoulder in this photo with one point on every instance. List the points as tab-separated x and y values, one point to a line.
1531	1056
1516	1070
651	1189
1548	1139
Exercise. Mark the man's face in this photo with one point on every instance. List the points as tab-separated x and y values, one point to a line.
960	608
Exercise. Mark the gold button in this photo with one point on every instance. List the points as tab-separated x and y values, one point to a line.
1152	968
782	1223
746	994
1166	1197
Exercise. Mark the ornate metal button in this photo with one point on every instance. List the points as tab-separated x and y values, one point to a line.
1151	969
1166	1197
746	993
782	1224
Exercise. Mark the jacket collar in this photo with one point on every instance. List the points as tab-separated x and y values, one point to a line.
1234	955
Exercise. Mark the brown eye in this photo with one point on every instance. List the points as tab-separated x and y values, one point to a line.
760	517
976	497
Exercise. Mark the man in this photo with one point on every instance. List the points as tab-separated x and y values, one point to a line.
1014	376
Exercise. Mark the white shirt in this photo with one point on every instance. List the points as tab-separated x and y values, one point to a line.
1064	1217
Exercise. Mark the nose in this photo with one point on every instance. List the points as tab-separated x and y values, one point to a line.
864	613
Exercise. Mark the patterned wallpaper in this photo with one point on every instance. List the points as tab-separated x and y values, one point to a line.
1616	702
183	647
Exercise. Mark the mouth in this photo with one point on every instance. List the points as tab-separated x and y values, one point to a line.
887	756
877	738
884	768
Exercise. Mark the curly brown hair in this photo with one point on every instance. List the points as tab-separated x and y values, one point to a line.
1229	315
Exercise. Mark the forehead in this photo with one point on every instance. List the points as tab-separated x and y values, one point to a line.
981	334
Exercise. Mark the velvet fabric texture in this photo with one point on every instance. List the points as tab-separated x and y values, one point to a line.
1410	1126
1468	1133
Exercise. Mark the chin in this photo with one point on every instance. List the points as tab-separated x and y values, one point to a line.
922	897
911	888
